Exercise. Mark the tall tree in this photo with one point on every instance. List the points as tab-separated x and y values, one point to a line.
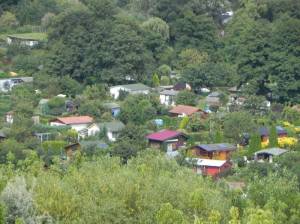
31	11
8	20
191	57
157	25
195	31
253	58
137	109
155	80
103	9
237	123
285	60
186	97
209	75
273	138
255	143
6	4
93	50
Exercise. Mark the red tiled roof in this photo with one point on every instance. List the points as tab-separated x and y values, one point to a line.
163	135
75	120
183	109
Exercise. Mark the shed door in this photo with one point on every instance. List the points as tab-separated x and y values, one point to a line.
169	147
199	170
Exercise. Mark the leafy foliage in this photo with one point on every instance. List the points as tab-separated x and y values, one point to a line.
273	139
94	44
138	200
186	97
157	25
237	123
137	109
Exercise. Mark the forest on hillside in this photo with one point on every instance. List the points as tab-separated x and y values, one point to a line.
103	41
60	61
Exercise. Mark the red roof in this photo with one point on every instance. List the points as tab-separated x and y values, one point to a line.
75	120
164	135
183	109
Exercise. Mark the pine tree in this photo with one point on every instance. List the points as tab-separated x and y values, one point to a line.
218	137
273	139
184	122
155	80
2	215
255	143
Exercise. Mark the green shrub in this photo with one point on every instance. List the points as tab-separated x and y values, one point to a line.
184	122
3	75
54	147
202	137
56	105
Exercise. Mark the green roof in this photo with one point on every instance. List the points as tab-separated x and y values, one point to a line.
29	36
136	87
113	126
96	143
111	105
272	151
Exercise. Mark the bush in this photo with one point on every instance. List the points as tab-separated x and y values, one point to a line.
203	137
56	105
23	62
8	20
137	109
126	194
170	122
18	201
164	71
56	102
291	115
16	49
122	95
165	80
184	122
3	75
54	147
186	97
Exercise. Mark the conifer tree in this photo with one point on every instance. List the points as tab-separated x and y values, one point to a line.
255	143
2	221
273	139
184	122
155	80
218	137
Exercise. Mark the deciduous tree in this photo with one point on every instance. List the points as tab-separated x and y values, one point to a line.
237	123
186	97
157	25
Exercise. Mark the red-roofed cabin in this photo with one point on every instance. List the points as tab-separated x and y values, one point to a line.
75	122
184	110
209	167
167	139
